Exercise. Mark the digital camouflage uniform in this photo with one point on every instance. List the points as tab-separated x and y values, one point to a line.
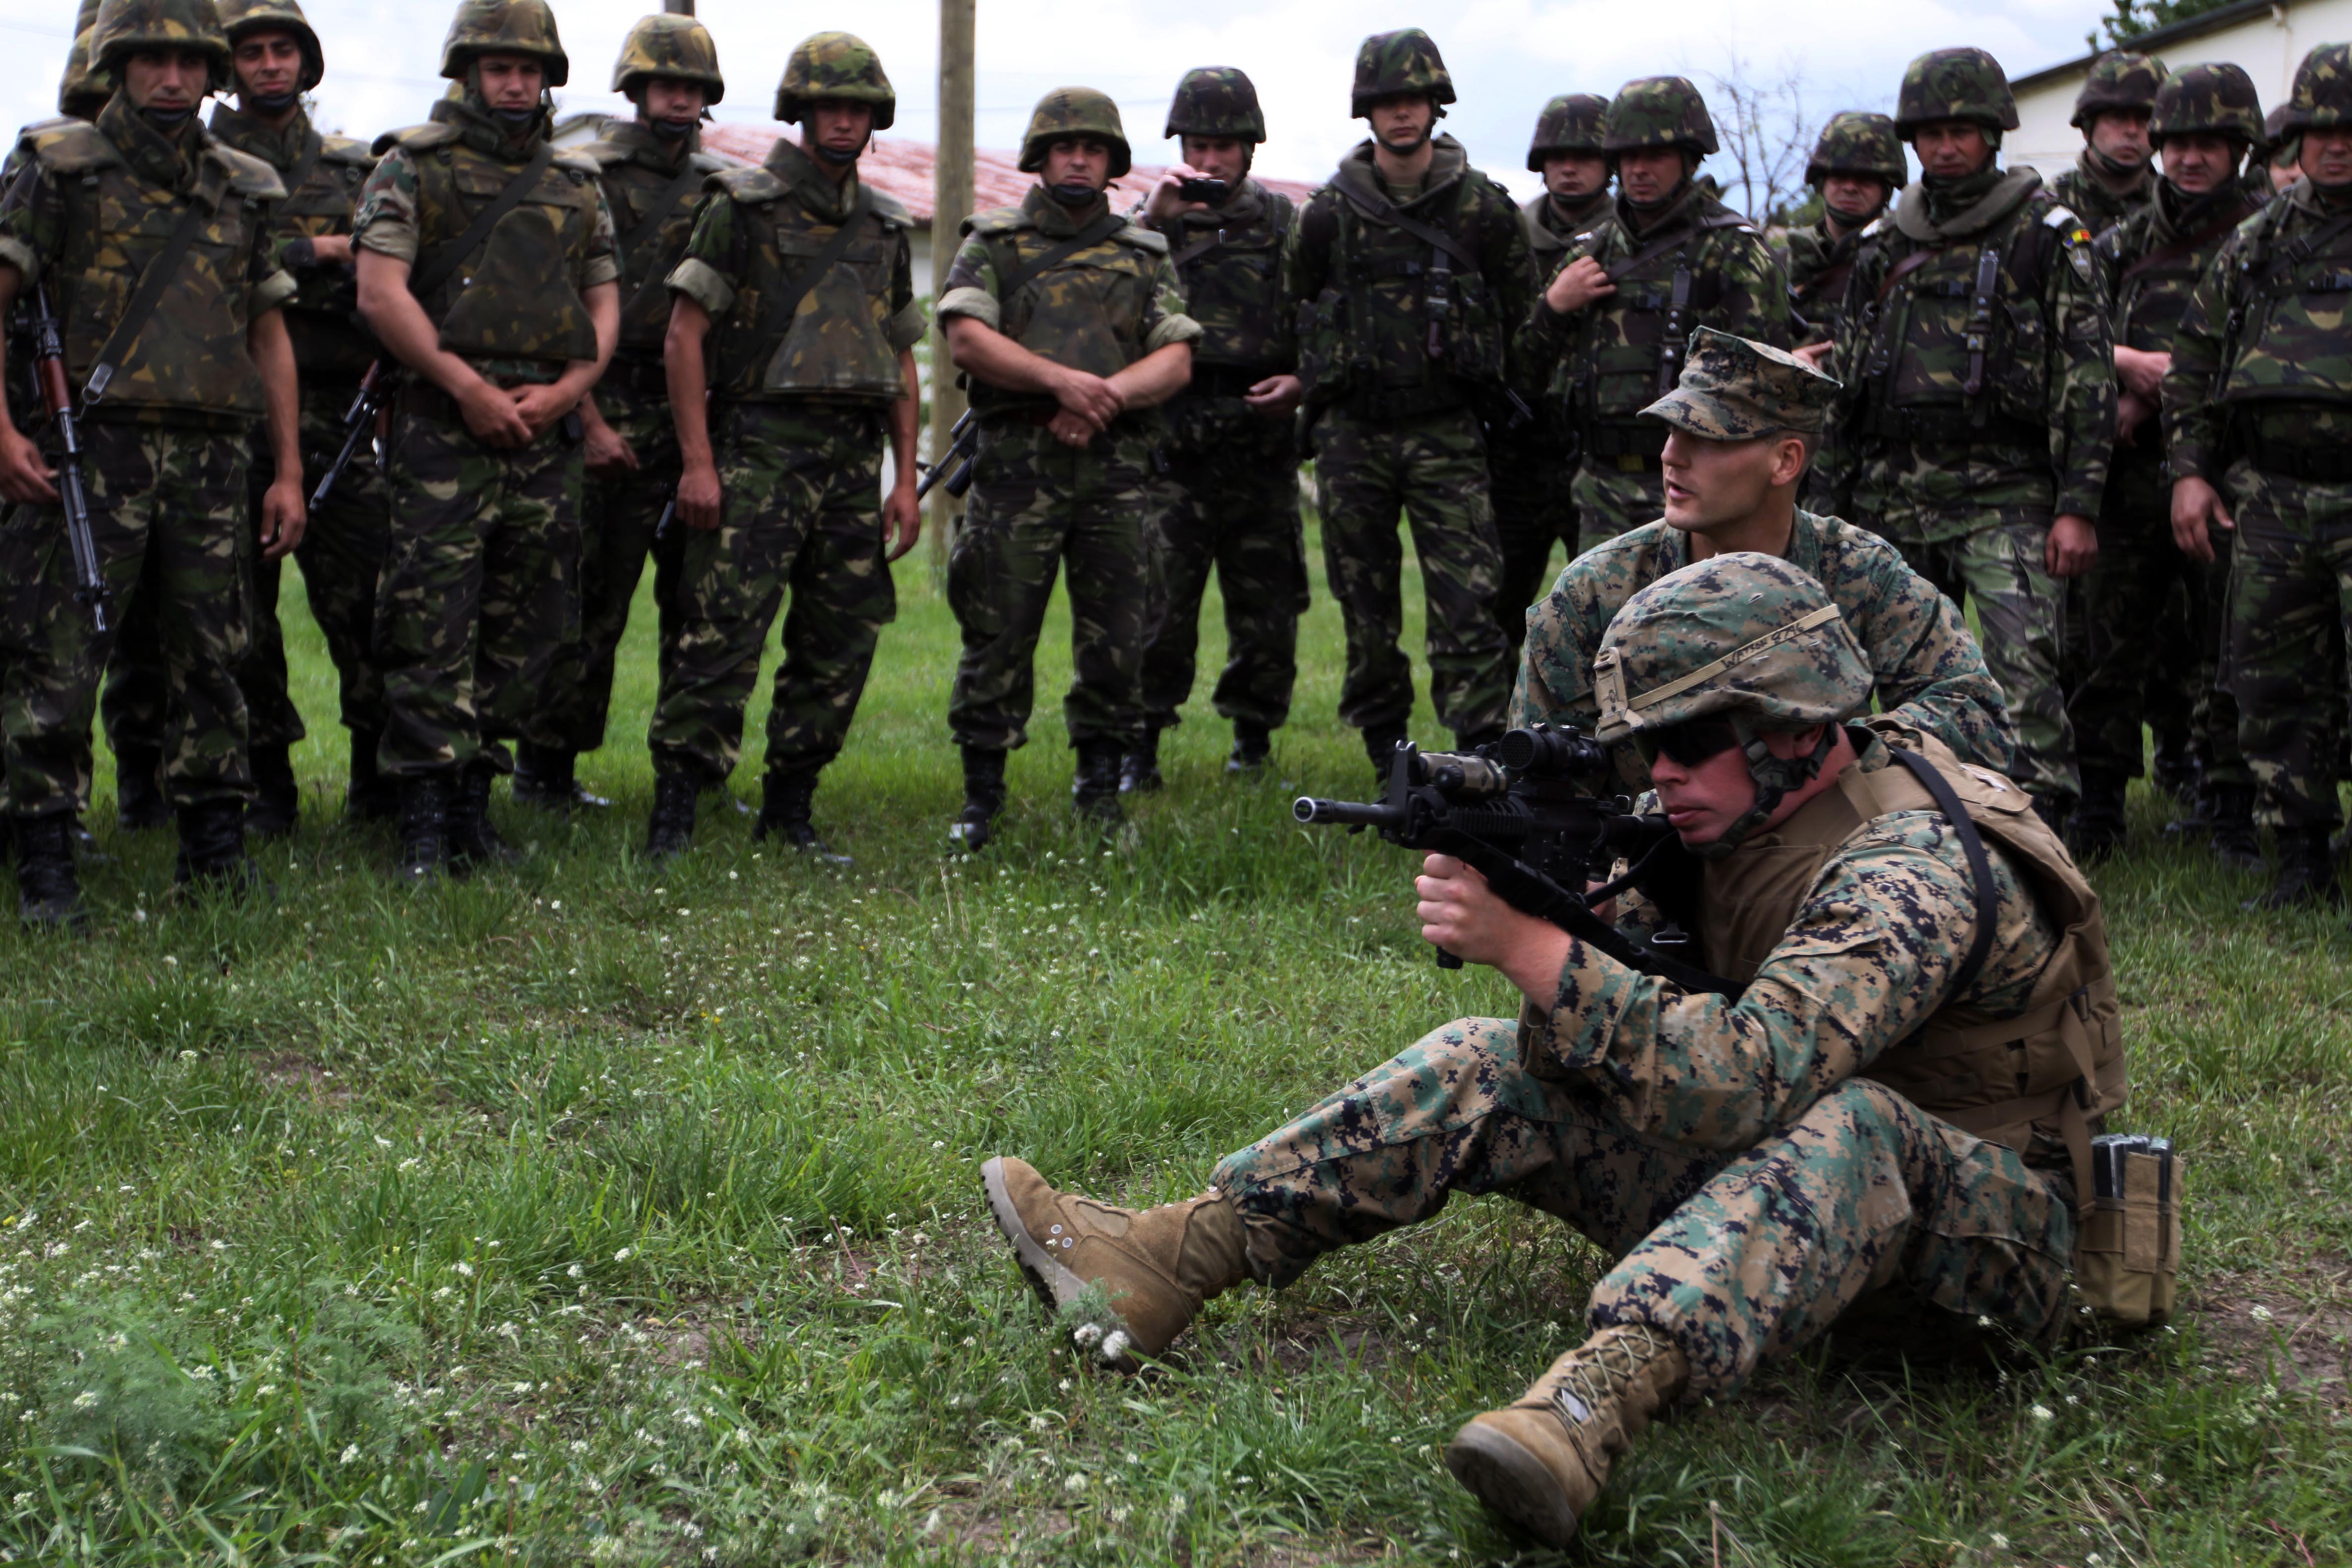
653	185
1818	261
2259	405
1036	503
1608	362
2153	611
798	410
1396	391
1963	459
480	592
1533	463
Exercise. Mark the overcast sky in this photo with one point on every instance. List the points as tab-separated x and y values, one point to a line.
1506	56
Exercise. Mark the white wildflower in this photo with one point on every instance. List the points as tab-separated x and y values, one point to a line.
2040	1413
85	1399
1114	1346
622	1256
349	1454
2260	1314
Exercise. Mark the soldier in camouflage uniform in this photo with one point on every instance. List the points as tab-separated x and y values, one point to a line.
1409	271
171	391
1755	1165
1857	166
277	59
654	167
2207	119
480	590
807	376
1740	427
1233	465
1531	463
2114	176
2258	431
1070	329
1981	396
1609	328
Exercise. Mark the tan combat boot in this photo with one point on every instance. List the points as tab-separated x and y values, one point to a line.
1540	1462
1157	1267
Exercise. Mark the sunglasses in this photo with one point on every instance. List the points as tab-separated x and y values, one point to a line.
1687	745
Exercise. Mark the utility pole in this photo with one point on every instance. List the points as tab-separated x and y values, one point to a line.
678	7
952	197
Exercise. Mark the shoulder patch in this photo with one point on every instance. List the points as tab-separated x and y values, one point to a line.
1876	226
2060	215
248	176
414	139
998	220
749	186
344	150
1143	238
74	147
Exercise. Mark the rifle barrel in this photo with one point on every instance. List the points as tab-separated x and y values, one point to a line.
1344	813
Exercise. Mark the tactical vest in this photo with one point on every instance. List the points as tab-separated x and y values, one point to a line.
2041	1083
513	299
1958	343
1232	280
190	358
2152	290
1620	366
322	184
1086	311
835	343
2285	342
631	187
1402	327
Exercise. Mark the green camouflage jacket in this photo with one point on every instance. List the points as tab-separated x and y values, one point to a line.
1228	261
1923	456
1099	310
2089	198
754	237
1816	266
637	171
97	203
1929	670
1553	230
1380	322
323	176
1606	363
2260	356
515	309
2152	260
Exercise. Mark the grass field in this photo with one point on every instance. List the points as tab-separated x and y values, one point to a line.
600	1212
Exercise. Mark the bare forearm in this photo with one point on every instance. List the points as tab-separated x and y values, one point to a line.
905	416
688	378
401	325
1156	377
604	303
273	354
982	351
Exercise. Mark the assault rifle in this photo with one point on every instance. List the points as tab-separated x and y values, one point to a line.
955	463
1527	813
359	425
56	396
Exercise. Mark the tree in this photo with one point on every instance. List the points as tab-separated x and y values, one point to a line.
1764	128
2133	17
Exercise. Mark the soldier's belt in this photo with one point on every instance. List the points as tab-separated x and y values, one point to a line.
1224	380
645	378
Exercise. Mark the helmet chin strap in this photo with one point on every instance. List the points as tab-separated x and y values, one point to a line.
1774	777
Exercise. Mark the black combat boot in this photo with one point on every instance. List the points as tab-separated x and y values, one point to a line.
2305	873
139	801
669	830
2175	771
1252	743
2229	811
984	797
474	838
1093	789
1139	770
785	811
47	892
2095	828
1380	747
425	824
212	848
548	777
276	804
372	796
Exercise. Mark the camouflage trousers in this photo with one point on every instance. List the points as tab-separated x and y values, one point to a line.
617	520
1610	500
1736	1256
169	514
1533	509
480	590
1237	511
2148	626
2290	625
802	487
2021	610
1034	504
1432	469
341	558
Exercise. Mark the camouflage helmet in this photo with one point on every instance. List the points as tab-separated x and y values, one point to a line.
1572	122
677	47
836	65
2321	98
1216	100
1406	60
525	27
126	26
1856	143
83	90
1659	112
2217	99
239	18
2118	79
1954	84
1074	111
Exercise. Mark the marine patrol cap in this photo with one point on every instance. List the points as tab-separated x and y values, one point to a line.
1736	389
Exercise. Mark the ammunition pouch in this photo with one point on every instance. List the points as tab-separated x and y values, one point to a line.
2127	1253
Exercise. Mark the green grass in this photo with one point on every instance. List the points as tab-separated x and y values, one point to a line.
600	1212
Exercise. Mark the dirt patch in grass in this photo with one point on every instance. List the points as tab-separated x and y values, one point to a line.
2293	1324
298	1074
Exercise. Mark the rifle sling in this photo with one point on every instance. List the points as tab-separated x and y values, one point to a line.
1380	209
1676	240
424	281
1086	238
150	294
1987	897
2181	249
1904	267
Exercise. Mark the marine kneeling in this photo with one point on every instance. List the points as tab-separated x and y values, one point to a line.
1895	933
